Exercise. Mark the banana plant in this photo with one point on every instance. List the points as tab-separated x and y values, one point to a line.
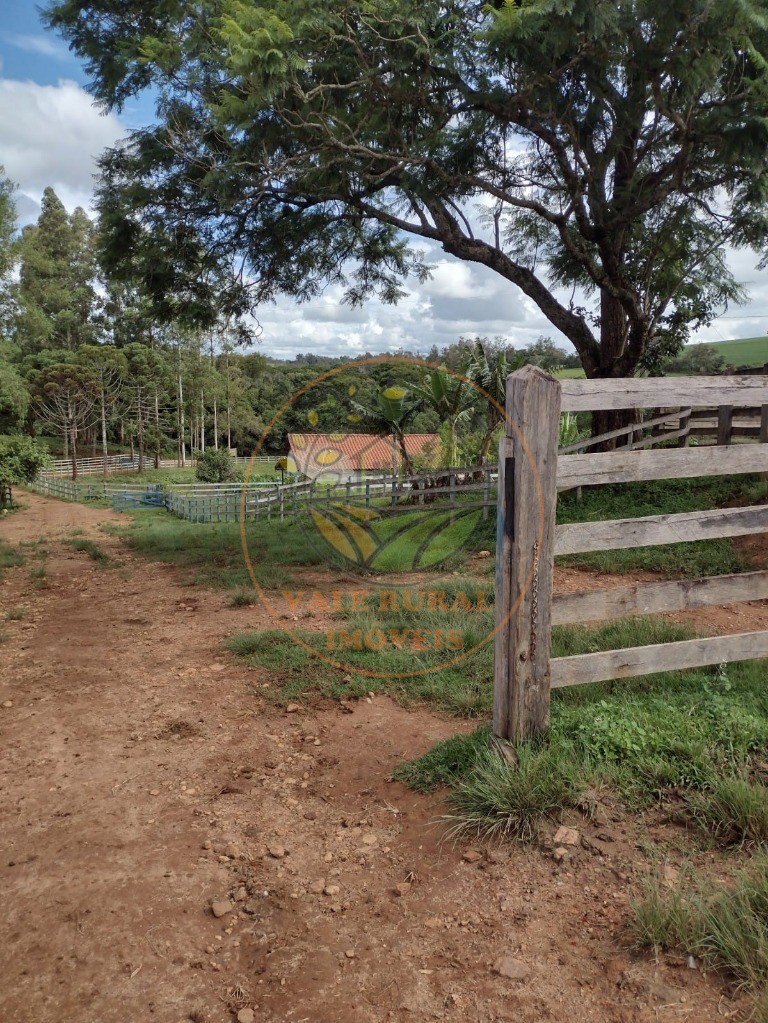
489	371
453	399
395	408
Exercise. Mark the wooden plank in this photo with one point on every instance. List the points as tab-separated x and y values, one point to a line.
619	534
647	660
589	442
650	392
652	598
524	565
625	466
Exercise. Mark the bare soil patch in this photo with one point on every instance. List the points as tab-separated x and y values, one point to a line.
142	778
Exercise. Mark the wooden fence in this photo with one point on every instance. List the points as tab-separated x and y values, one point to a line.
531	472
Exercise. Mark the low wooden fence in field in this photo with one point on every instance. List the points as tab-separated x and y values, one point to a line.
99	466
230	502
531	472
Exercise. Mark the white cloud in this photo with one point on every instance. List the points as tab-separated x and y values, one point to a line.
52	135
39	44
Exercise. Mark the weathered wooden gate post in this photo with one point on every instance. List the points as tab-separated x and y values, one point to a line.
525	543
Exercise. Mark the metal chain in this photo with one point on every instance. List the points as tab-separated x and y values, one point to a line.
534	601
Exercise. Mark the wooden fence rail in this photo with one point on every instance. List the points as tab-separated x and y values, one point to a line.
532	472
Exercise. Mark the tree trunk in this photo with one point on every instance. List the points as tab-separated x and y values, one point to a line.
157	432
104	448
229	411
140	429
73	447
614	331
182	426
215	425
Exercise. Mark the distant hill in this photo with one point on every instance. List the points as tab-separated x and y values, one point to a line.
744	351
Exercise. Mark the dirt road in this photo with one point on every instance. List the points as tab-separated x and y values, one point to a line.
142	777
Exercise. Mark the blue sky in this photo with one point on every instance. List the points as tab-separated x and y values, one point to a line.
52	134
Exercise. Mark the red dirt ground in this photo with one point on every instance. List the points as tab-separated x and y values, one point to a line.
142	777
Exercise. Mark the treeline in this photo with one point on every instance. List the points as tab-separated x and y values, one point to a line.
83	360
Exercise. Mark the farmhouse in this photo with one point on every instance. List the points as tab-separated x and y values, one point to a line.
351	455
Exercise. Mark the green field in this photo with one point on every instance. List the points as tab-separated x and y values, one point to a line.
745	351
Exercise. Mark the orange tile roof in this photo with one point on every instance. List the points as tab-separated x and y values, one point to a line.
319	454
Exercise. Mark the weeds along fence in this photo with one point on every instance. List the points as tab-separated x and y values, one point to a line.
532	471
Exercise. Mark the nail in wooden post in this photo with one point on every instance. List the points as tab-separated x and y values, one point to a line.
525	556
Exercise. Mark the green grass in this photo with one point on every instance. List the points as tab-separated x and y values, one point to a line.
689	560
733	810
723	926
15	614
212	554
745	351
92	549
9	558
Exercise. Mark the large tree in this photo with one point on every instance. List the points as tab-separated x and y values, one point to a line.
597	155
56	292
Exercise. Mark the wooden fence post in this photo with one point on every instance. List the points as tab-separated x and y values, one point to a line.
525	555
724	424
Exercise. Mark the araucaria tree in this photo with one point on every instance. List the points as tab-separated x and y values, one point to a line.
597	155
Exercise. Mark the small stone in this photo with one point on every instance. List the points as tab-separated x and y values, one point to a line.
277	852
292	708
209	950
350	953
402	888
7	703
370	840
483	554
331	889
316	888
220	907
232	851
567	836
207	844
241	895
190	792
472	856
246	1016
561	853
511	969
154	792
671	875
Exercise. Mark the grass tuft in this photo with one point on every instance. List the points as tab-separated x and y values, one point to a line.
94	552
244	598
15	614
734	811
496	801
725	927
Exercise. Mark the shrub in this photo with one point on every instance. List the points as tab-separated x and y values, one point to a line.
21	458
215	466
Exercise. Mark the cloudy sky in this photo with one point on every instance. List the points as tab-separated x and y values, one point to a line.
51	134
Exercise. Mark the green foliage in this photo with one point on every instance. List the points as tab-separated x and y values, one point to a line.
697	360
57	295
215	466
340	129
21	458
